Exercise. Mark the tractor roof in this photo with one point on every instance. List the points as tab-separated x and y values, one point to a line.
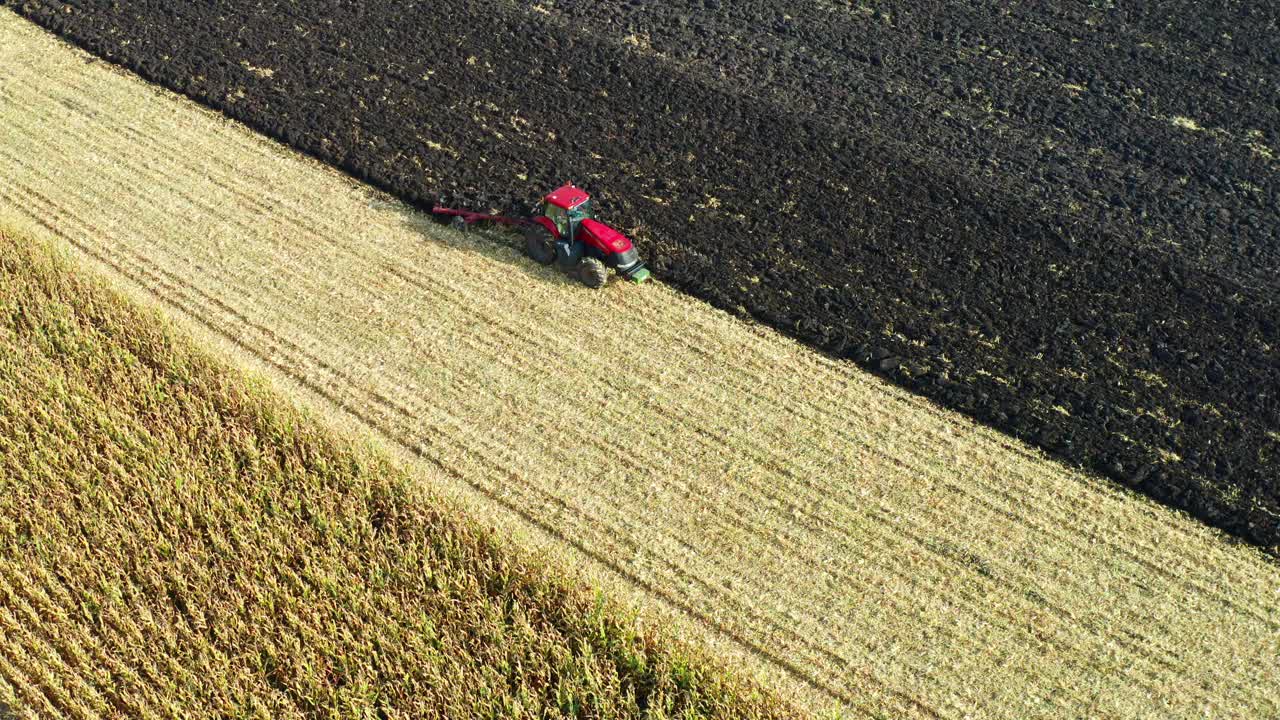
567	197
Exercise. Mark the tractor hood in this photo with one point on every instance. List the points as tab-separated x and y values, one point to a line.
606	238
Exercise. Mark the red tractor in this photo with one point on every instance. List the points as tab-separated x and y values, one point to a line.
567	235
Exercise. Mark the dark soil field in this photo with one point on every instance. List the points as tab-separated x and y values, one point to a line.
1061	220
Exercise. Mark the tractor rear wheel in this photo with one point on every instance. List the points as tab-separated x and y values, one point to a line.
540	244
592	272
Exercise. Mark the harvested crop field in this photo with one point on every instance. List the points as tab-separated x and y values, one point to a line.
1057	218
835	533
178	542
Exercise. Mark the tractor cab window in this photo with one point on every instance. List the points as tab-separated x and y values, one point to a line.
583	211
558	216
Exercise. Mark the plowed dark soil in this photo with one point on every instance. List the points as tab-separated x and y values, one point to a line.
1061	221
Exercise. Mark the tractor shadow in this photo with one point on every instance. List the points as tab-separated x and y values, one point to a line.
495	242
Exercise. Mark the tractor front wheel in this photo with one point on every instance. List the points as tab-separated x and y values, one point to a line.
540	244
458	223
592	272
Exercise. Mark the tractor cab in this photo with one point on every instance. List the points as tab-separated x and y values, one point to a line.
568	235
567	206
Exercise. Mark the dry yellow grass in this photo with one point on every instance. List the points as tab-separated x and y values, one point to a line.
835	533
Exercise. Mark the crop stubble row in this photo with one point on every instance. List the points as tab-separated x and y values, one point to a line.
842	560
1044	265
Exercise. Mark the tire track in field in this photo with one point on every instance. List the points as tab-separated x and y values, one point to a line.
869	496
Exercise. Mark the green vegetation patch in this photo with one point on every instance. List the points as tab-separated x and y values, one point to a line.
175	539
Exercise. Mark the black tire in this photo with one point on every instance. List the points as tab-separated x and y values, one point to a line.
540	244
457	223
592	272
